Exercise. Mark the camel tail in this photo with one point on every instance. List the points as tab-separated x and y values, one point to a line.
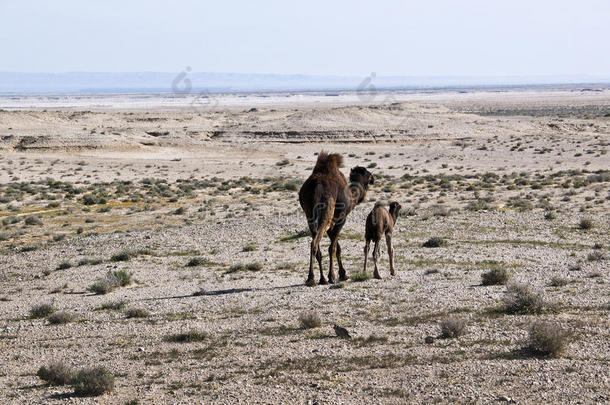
324	210
328	162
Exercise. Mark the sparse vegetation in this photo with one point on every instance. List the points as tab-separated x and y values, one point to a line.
250	247
122	256
112	280
434	242
596	256
41	311
309	319
197	261
64	265
60	318
558	282
453	327
585	224
56	373
495	276
136	313
245	266
32	220
547	339
521	299
113	305
193	335
360	276
93	381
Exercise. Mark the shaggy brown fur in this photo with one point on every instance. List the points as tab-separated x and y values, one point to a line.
381	222
327	198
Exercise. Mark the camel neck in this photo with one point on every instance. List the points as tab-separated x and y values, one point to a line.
358	192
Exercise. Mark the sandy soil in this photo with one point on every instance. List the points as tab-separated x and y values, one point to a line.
504	177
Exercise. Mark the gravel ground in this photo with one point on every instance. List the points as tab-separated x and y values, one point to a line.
230	199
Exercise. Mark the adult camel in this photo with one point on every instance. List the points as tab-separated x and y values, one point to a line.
327	198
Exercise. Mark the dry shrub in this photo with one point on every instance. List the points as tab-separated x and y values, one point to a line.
521	299
93	381
57	373
495	276
547	339
309	319
453	328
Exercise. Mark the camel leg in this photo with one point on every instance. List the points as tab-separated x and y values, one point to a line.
367	246
312	253
319	258
331	253
388	241
376	258
342	272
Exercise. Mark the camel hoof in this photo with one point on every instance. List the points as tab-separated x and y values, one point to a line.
392	273
343	277
323	281
310	282
377	276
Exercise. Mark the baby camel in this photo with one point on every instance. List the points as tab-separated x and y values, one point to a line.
381	222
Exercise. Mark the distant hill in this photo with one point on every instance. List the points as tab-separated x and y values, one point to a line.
81	82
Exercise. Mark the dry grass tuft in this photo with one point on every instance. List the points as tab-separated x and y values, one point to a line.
453	328
495	277
547	339
57	373
93	381
309	319
41	311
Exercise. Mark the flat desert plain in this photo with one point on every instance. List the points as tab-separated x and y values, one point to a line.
163	240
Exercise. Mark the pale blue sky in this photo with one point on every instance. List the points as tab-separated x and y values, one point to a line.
390	37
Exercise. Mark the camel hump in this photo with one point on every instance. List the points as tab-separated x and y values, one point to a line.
327	162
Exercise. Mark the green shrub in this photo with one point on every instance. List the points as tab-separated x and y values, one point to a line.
112	280
120	277
41	311
93	381
122	256
113	305
360	276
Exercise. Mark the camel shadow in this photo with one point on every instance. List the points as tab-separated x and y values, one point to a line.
204	293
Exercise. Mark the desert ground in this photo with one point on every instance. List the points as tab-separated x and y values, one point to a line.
162	238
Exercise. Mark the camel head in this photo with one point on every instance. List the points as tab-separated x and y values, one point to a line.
395	210
359	179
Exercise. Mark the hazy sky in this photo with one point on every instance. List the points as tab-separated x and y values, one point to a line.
345	37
